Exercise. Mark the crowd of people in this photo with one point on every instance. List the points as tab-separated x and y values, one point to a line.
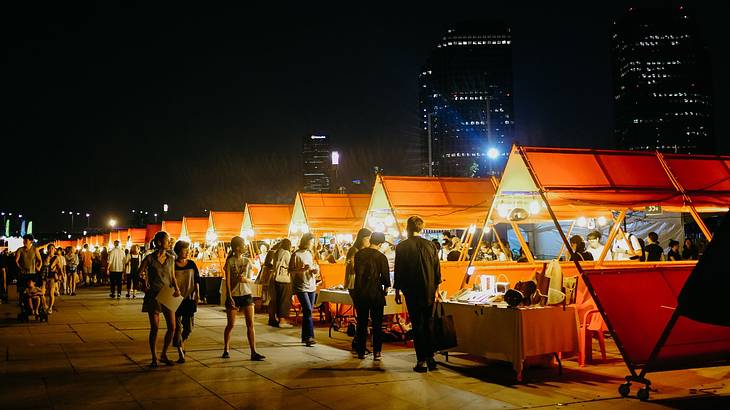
285	271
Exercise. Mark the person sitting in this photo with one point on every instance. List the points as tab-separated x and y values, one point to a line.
33	297
654	252
579	249
673	254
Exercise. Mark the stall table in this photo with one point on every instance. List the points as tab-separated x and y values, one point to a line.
342	297
513	334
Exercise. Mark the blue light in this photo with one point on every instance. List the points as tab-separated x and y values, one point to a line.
492	153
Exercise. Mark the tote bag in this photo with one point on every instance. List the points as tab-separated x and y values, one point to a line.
444	332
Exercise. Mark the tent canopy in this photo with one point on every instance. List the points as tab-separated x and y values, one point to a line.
194	229
443	203
150	232
173	228
266	221
136	236
328	213
224	225
588	182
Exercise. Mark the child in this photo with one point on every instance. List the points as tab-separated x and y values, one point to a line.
33	297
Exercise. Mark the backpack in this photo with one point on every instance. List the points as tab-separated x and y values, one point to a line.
641	258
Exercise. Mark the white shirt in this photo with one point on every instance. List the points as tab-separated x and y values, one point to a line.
116	260
620	247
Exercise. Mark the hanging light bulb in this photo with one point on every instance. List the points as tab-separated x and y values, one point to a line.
503	210
582	222
602	221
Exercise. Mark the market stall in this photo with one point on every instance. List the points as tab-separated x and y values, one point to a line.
265	222
587	185
173	228
135	236
222	227
194	229
328	216
150	231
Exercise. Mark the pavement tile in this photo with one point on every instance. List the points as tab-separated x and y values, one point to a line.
194	403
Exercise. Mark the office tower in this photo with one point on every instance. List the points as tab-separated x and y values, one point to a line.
466	110
316	153
662	82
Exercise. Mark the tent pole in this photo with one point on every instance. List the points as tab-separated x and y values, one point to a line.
562	247
611	235
687	198
523	243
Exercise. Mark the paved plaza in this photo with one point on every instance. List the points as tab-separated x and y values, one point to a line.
93	354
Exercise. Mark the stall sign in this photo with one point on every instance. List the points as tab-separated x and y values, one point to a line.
653	210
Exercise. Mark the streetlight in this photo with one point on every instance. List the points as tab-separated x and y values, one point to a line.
155	218
112	223
88	220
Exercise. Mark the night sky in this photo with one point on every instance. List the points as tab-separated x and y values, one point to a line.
119	106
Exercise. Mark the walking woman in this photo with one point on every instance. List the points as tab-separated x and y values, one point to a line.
304	274
362	241
280	285
188	280
134	260
238	295
158	268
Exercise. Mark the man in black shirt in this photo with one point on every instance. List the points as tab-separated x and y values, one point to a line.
654	252
418	274
372	279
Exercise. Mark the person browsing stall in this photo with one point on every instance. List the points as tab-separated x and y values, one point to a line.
654	252
372	280
304	273
417	275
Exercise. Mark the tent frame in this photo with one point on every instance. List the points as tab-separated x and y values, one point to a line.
634	376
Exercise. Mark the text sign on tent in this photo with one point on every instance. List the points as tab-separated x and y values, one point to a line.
653	210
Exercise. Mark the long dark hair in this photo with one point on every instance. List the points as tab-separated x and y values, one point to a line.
157	240
236	241
284	245
359	239
306	238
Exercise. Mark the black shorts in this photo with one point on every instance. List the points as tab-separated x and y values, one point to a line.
243	301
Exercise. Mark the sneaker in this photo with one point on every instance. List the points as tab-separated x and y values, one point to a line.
257	357
225	355
311	342
111	295
119	295
128	296
376	356
420	367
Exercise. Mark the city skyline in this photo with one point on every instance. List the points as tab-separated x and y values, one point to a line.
202	111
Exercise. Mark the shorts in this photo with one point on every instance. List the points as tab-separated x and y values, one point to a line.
86	270
243	301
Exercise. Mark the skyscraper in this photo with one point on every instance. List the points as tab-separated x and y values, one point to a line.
317	165
662	82
467	117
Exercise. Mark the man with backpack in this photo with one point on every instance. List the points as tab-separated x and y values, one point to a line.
622	251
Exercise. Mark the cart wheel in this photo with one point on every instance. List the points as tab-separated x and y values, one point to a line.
643	394
624	389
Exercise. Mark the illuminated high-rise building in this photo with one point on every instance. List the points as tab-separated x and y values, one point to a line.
466	110
317	165
662	82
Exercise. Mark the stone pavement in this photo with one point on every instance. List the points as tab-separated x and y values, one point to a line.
93	354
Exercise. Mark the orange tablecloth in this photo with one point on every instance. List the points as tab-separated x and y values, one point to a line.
513	334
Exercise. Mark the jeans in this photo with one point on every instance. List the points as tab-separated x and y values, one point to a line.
132	281
115	280
374	310
422	331
306	299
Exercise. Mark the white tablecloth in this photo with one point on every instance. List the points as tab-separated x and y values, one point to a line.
342	297
513	334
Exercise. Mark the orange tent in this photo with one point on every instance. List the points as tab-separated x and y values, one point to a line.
266	221
194	229
173	228
136	236
442	202
150	231
223	225
574	179
328	213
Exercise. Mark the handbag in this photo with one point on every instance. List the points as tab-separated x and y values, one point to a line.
444	332
282	275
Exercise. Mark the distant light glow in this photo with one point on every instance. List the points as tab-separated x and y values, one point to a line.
492	153
335	158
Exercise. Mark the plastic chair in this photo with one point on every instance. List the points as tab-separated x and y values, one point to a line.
296	307
591	326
